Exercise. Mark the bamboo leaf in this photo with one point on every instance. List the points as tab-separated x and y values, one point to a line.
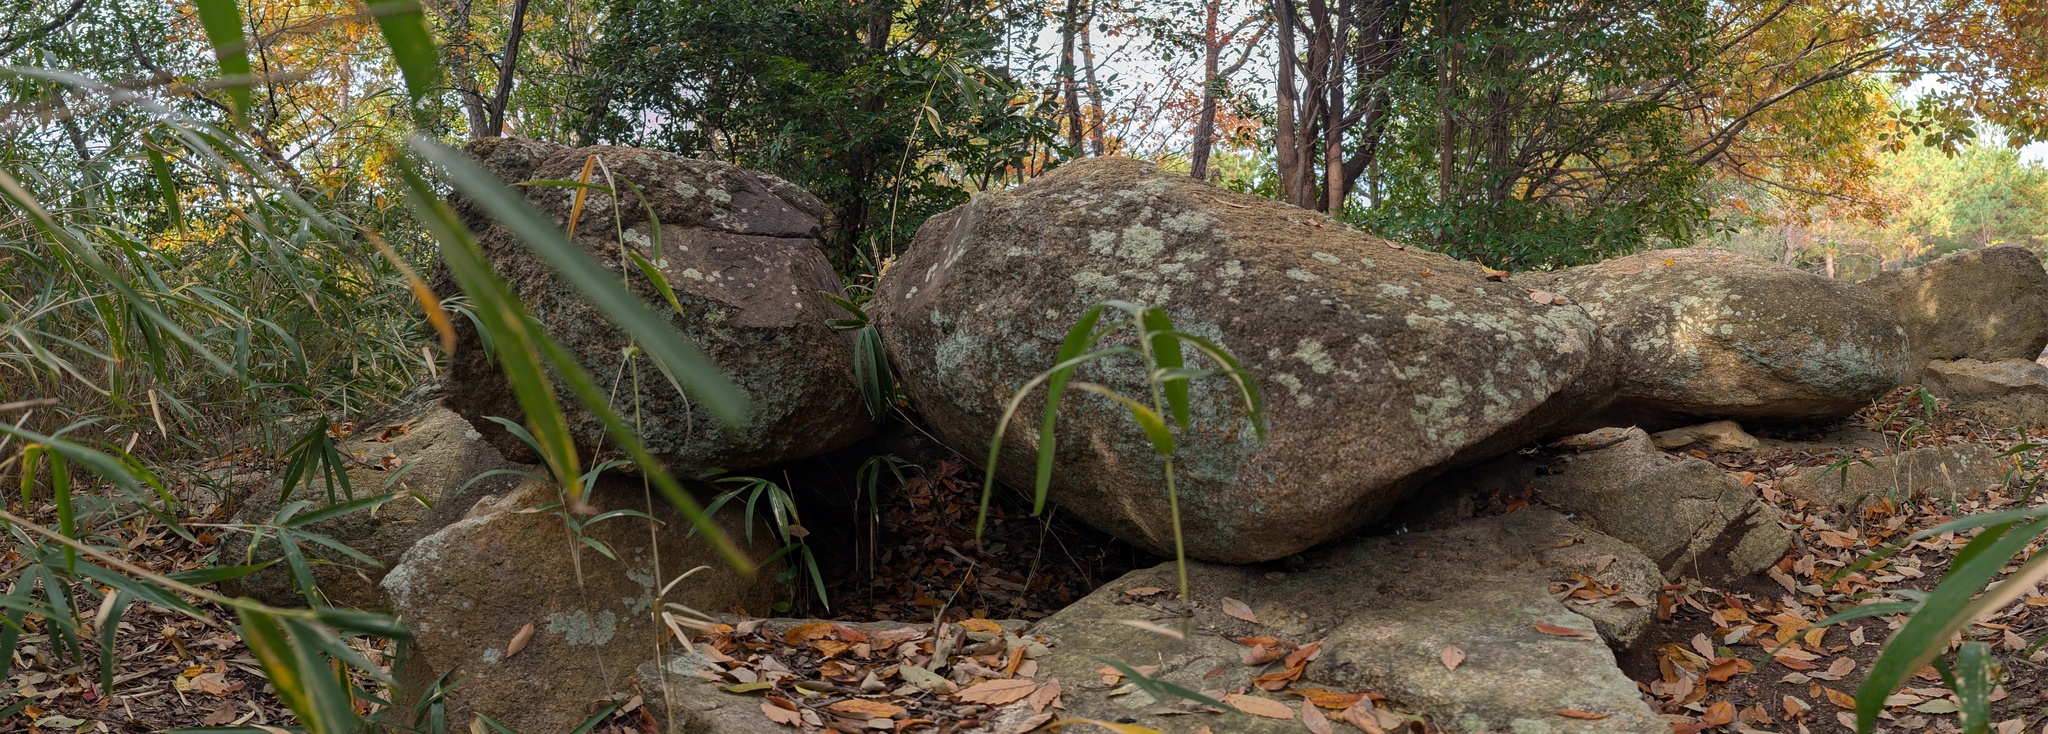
1079	339
412	45
1149	420
1166	355
223	23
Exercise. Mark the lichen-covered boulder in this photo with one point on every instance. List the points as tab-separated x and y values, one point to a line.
423	455
1382	365
1710	334
467	591
1385	610
1988	304
1858	477
2009	391
741	251
1688	515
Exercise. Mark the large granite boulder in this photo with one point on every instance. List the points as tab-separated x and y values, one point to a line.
741	251
1382	365
1691	517
1989	304
423	455
542	628
2010	391
1710	334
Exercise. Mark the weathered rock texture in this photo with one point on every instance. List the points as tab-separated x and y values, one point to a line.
741	251
1934	471
1711	334
2011	391
1716	437
1989	304
467	590
425	454
1385	609
1382	365
1691	517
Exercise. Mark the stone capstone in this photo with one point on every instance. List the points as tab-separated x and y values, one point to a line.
2012	391
1858	477
1382	365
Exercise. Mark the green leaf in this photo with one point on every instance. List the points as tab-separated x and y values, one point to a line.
1165	350
1079	339
223	23
1973	684
166	186
705	381
1149	420
217	574
412	45
1161	690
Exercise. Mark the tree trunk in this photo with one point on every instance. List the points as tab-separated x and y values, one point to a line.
1095	104
462	68
506	67
1285	132
1205	123
1070	86
1446	125
1333	115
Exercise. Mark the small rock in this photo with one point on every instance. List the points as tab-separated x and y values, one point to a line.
2012	391
468	589
1709	334
1385	618
424	453
1693	518
1714	438
1989	304
1946	472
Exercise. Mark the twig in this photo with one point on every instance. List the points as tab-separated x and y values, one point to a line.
27	404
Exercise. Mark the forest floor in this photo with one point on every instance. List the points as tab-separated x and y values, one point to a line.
1718	659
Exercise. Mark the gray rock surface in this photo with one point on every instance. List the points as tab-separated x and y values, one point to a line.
1691	517
739	248
1714	438
1934	471
1711	334
468	590
2011	391
1385	609
1989	304
424	454
1382	365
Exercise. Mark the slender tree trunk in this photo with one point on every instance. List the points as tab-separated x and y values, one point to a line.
1070	86
1205	123
1446	125
507	65
462	68
1286	134
1333	115
1096	106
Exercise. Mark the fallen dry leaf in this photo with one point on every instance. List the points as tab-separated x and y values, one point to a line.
519	640
982	625
1239	610
1559	631
1312	717
1046	695
1331	700
997	692
781	715
1451	657
1257	706
866	708
1577	714
1361	716
1720	714
1839	699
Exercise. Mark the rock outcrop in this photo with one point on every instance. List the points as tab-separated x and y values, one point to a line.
740	250
468	591
1710	334
424	455
1691	517
1988	304
1382	365
2011	391
1385	610
1858	478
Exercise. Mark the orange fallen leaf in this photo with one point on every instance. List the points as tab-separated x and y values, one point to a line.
1361	716
1258	706
982	625
1046	695
1839	699
1720	714
780	715
1560	631
866	708
803	633
1577	714
997	692
519	640
1313	719
1331	700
